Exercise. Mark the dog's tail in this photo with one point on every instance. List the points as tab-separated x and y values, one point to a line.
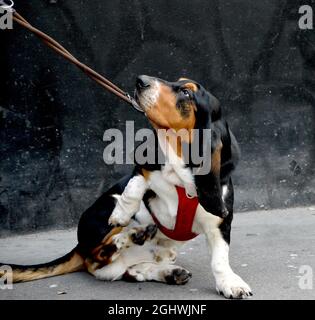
70	262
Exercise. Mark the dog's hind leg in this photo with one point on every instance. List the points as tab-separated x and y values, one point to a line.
149	262
161	272
158	266
113	268
111	249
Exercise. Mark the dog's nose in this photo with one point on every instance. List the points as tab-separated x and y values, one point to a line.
142	82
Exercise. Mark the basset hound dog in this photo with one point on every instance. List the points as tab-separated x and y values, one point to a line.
133	231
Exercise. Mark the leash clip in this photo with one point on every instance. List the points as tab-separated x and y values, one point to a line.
7	6
133	102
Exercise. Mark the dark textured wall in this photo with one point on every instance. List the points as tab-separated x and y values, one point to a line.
250	54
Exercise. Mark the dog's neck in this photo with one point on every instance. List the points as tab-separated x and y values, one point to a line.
169	145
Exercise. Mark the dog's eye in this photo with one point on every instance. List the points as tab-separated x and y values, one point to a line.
186	92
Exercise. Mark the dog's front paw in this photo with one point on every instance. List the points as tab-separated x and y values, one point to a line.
232	286
119	217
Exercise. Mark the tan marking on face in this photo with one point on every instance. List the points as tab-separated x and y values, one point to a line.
191	86
165	114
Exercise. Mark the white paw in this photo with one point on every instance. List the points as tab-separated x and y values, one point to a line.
232	286
119	217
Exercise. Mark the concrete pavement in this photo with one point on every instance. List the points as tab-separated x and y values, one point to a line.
268	249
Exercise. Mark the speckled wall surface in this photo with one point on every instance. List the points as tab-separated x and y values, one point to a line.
250	54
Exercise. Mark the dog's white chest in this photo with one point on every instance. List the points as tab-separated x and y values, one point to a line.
165	205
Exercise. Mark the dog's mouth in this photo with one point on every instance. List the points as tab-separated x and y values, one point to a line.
147	92
136	102
136	97
142	106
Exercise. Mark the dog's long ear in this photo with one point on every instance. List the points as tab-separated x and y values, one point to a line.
207	108
208	185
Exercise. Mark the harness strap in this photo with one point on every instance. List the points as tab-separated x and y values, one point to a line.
186	212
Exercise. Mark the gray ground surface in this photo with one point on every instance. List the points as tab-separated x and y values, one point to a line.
268	248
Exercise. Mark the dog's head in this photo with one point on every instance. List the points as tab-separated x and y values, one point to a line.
185	104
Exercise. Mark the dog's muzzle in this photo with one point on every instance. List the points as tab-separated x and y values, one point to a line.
147	91
142	83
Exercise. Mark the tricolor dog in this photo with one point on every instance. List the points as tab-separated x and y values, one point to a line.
133	231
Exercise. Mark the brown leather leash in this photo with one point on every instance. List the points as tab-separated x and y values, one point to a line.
57	47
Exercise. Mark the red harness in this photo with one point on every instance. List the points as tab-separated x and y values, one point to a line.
186	212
